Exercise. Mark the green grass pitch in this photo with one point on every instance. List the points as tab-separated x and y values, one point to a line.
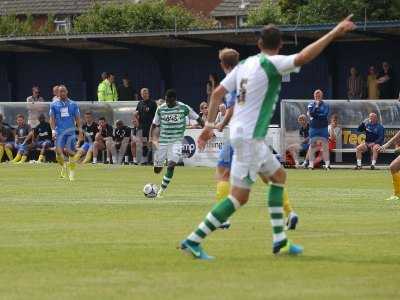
99	238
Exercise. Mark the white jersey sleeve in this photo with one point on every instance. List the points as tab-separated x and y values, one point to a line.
284	64
229	82
192	114
156	120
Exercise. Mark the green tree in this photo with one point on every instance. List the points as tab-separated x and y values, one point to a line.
291	8
147	15
323	11
269	12
11	25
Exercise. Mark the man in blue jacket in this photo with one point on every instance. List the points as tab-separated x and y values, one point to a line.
318	111
374	136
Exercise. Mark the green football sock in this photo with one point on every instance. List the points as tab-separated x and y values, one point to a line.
167	178
275	205
218	215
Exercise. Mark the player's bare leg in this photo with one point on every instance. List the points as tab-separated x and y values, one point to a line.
359	152
61	162
71	165
395	171
375	153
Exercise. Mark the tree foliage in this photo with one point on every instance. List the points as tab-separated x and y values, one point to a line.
269	12
323	11
148	15
11	25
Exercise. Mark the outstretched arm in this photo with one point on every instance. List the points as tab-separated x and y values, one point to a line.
312	51
392	141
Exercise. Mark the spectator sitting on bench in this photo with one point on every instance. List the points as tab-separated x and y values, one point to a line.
335	133
6	137
43	137
136	141
374	136
90	129
302	147
23	139
119	145
103	140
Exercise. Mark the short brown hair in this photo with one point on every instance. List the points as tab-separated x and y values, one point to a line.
229	57
20	116
271	37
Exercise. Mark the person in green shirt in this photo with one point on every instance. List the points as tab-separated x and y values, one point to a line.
107	91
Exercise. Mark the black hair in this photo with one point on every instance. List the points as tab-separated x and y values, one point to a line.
170	94
271	37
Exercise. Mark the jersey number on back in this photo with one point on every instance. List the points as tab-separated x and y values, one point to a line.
242	91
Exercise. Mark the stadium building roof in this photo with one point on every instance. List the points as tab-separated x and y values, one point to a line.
239	37
44	7
229	8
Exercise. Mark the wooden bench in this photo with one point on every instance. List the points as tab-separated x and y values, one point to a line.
353	150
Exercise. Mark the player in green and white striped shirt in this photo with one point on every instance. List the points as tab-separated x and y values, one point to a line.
171	117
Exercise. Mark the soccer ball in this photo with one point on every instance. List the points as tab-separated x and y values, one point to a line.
150	190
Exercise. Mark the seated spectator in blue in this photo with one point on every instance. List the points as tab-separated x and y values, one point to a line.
6	137
43	137
89	129
318	111
23	139
374	137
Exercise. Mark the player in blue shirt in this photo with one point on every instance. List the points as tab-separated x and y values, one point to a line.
64	121
374	137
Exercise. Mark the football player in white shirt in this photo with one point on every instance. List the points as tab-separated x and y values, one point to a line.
257	81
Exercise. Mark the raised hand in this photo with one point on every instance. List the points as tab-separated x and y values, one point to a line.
345	26
204	137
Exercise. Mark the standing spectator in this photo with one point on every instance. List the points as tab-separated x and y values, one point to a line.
23	139
160	102
221	114
212	83
136	141
318	111
335	133
107	91
103	76
6	137
386	82
101	86
374	136
355	85
146	110
119	146
103	140
35	95
43	137
126	91
56	95
203	111
372	84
